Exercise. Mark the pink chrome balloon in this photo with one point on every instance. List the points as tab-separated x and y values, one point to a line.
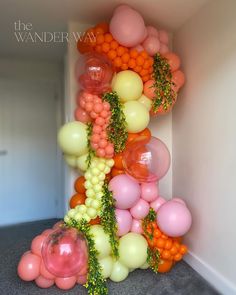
66	283
43	282
152	45
124	221
157	203
82	116
137	226
28	267
152	31
127	27
140	209
174	219
149	191
37	243
126	191
64	252
146	160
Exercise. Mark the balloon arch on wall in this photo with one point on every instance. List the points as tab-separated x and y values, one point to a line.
117	220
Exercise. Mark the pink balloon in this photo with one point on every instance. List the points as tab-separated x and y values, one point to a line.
82	279
37	243
139	48
149	191
157	203
149	89
126	191
152	31
127	27
173	60
140	209
178	79
163	48
28	267
82	116
121	8
58	224
43	282
124	221
66	283
64	252
45	273
163	37
179	200
137	226
152	45
47	232
174	219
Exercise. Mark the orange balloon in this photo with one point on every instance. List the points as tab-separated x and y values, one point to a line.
164	265
139	169
95	221
79	185
104	26
77	199
132	136
118	161
115	172
146	132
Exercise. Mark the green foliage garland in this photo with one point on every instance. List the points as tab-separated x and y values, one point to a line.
116	130
165	95
96	284
108	219
91	152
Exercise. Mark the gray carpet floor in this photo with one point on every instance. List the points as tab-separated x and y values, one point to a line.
15	240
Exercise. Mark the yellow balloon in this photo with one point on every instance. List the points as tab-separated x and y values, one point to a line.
119	272
72	138
136	115
101	240
133	250
146	102
128	85
106	266
82	162
71	160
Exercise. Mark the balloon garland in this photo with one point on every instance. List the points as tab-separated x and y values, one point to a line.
117	220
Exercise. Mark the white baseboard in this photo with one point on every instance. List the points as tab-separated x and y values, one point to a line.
220	283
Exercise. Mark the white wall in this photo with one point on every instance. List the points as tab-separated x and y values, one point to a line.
204	140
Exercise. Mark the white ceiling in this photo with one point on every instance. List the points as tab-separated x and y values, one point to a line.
53	15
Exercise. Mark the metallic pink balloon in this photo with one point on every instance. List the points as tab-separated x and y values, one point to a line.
124	221
28	267
64	252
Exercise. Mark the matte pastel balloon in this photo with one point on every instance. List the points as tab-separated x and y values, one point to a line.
36	245
71	160
121	8
82	279
64	252
66	283
140	209
163	48
146	159
152	45
163	37
58	224
136	226
157	203
152	31
178	79
126	191
28	267
106	266
144	100
139	48
149	89
119	272
82	116
47	232
179	200
174	219
173	60
43	282
44	272
101	240
124	221
149	191
127	27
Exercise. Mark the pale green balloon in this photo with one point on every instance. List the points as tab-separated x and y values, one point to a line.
106	265
147	102
119	272
82	162
128	85
71	160
136	115
101	240
72	138
133	250
145	266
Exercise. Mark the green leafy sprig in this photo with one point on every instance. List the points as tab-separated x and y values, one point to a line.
96	284
153	258
91	152
165	95
116	130
108	219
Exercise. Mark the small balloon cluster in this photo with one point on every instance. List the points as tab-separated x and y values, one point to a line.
117	220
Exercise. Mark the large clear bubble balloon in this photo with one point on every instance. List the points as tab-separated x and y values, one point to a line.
146	160
97	73
65	252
